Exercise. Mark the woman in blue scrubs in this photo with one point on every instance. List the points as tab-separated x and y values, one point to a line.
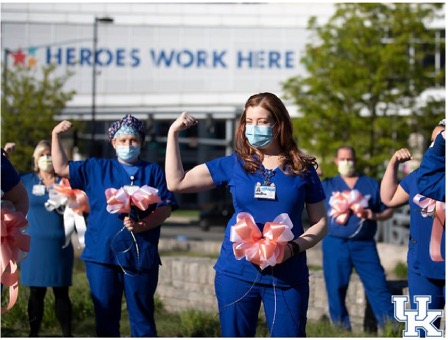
118	261
48	263
425	276
267	175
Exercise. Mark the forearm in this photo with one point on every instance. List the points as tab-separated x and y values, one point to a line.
59	157
384	215
153	220
389	183
18	196
313	235
174	169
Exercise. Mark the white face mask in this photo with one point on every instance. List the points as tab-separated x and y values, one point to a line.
346	167
45	163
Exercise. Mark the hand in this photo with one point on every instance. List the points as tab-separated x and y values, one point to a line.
10	147
63	126
183	122
132	225
402	155
367	214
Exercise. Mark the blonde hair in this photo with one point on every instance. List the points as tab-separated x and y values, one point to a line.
42	145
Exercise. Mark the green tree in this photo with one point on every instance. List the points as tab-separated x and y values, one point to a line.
29	105
365	68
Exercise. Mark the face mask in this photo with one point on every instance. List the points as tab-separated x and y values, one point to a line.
45	163
128	153
346	168
259	136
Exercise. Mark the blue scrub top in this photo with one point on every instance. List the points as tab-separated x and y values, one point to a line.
10	177
354	228
48	263
431	181
419	259
106	240
292	192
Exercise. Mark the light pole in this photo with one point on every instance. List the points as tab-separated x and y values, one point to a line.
105	20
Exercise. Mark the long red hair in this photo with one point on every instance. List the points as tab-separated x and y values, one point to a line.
292	159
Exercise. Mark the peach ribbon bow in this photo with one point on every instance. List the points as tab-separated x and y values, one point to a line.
76	203
120	200
265	249
343	203
436	210
15	244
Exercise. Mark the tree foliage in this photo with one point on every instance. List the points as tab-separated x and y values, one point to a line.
365	72
29	104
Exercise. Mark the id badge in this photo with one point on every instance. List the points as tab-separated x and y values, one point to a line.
38	190
264	191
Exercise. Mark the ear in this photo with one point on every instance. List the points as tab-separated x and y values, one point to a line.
113	141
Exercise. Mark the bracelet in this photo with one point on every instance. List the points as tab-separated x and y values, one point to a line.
295	248
290	250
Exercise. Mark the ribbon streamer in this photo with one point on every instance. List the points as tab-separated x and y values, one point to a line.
265	249
120	200
436	210
344	203
76	203
15	244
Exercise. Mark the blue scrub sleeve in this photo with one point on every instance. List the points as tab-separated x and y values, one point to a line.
315	192
10	177
221	169
431	182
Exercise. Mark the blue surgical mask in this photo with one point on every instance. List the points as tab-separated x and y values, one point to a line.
128	153
259	136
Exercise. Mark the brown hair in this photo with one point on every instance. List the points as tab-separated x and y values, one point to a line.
292	159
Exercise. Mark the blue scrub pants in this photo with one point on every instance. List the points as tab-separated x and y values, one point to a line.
340	256
420	285
239	305
107	284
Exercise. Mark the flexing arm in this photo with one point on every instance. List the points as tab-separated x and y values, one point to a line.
392	194
195	180
60	160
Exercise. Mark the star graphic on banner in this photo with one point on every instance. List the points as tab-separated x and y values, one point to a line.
19	57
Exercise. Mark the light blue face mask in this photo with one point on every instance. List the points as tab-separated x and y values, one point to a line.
128	153
259	136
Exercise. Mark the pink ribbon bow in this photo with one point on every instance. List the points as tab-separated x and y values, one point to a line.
14	244
120	200
265	249
436	210
77	199
343	203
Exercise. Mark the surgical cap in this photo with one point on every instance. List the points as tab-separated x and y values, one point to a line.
127	125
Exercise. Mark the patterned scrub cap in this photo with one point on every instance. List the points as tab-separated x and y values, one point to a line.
127	125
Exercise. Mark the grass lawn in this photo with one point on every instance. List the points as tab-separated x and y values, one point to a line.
189	323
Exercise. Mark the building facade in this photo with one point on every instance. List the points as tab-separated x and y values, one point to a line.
155	60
